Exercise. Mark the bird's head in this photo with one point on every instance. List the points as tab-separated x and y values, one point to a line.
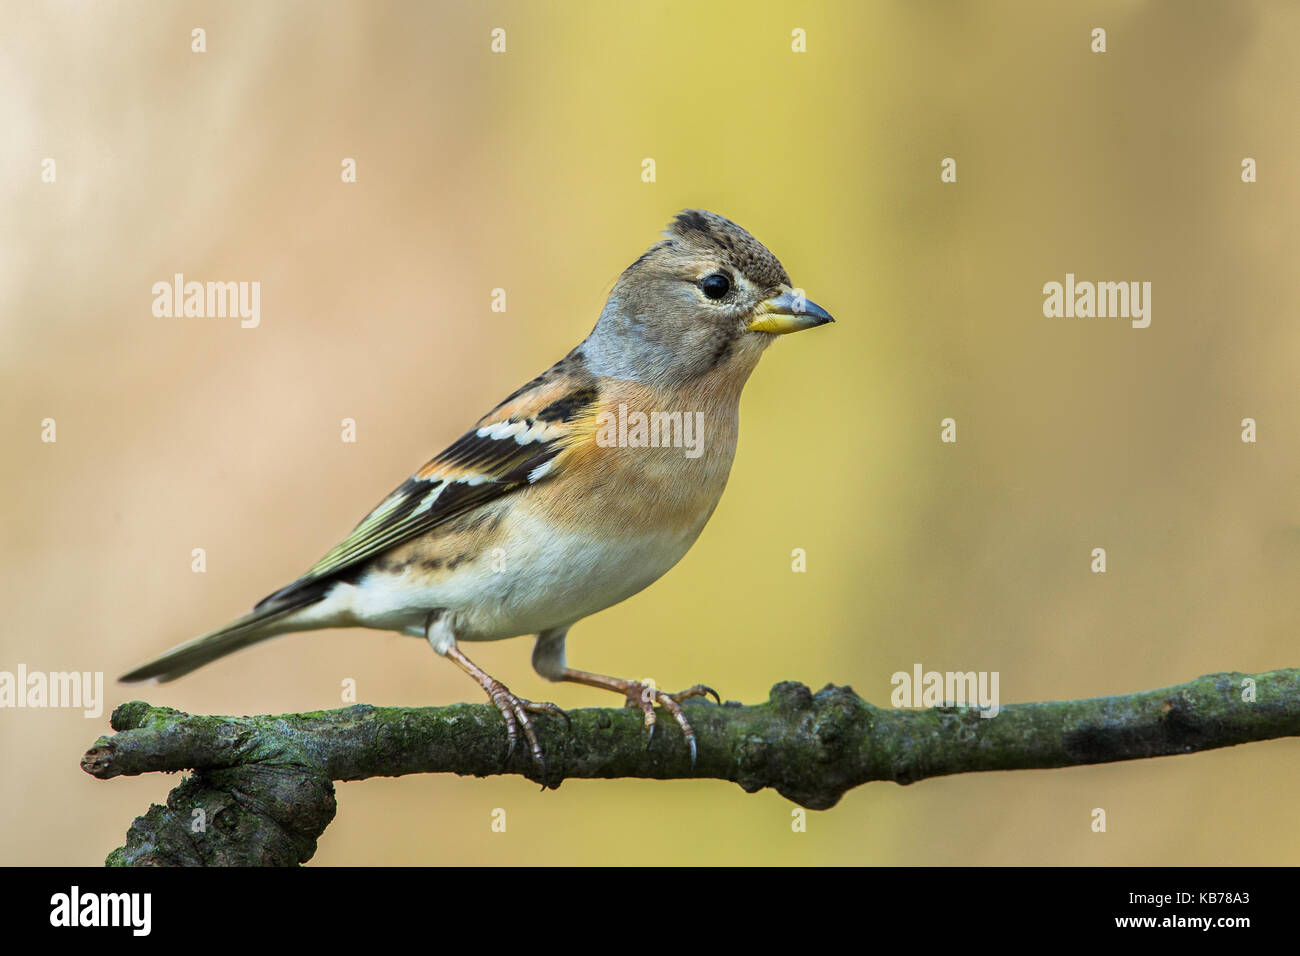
707	295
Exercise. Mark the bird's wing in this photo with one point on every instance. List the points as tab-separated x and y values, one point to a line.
519	443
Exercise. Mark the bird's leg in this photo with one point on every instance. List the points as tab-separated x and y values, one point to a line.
514	710
549	661
644	696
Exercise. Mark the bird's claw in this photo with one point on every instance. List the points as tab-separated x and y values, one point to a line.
514	711
645	696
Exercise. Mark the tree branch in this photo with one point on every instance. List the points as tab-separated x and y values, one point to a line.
265	792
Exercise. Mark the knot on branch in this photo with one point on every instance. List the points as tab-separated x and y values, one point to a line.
810	752
254	815
266	809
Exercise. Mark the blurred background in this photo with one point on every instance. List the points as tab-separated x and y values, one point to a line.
522	170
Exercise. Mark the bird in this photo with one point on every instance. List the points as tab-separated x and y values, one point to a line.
577	491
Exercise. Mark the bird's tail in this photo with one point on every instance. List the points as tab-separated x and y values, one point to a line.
259	625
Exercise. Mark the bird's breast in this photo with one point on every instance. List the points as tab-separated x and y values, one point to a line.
623	505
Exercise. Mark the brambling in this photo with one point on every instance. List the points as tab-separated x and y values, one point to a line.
577	491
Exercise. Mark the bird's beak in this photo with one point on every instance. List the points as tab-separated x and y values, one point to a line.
788	311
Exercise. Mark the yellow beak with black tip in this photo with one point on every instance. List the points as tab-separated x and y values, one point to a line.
788	311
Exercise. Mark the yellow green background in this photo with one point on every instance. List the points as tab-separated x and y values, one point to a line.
523	171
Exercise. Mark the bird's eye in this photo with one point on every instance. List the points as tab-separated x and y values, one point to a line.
716	285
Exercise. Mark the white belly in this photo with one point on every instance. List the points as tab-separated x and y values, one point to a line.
533	580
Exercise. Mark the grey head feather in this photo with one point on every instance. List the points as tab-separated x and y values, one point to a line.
657	326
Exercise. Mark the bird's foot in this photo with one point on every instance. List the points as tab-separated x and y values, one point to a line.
643	695
514	711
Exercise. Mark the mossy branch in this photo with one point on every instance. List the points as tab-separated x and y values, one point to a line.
264	785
